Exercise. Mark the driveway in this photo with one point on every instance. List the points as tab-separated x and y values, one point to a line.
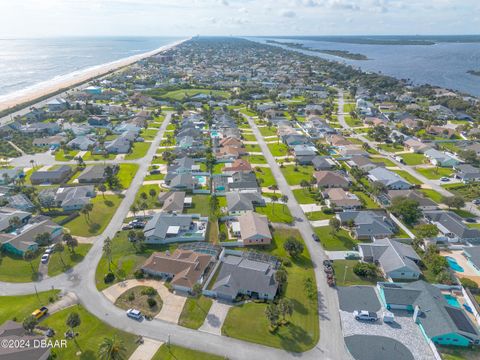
215	318
147	350
370	347
353	298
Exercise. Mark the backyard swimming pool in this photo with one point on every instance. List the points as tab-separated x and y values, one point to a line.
453	264
452	301
202	180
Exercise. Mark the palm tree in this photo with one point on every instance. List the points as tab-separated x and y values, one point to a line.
134	209
59	248
143	206
284	200
107	251
112	349
274	187
102	188
29	255
274	199
72	322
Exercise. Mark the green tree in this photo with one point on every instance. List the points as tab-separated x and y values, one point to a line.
272	314
426	230
107	252
293	246
70	241
285	307
406	208
29	256
334	225
102	188
152	192
73	321
112	349
456	202
281	279
59	248
29	323
366	270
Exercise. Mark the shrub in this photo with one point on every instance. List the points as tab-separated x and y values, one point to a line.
139	274
131	296
151	302
109	278
470	284
149	291
328	211
286	262
365	270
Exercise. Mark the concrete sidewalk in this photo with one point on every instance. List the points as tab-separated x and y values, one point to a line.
147	350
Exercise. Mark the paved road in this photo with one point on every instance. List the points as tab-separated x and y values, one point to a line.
433	184
81	281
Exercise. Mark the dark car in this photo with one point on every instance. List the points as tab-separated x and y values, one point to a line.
470	220
315	237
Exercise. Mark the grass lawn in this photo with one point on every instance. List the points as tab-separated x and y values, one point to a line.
15	269
276	212
60	155
252	148
125	259
391	148
266	175
138	151
413	159
151	201
248	322
249	137
91	333
384	160
255	159
98	219
353	122
368	202
469	191
463	213
90	157
432	195
267	131
304	196
434	173
149	134
200	205
194	312
454	353
295	174
411	179
182	94
318	215
248	113
333	242
20	306
349	107
174	352
345	276
134	298
278	149
126	173
55	264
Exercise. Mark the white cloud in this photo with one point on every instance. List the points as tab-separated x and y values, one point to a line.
288	13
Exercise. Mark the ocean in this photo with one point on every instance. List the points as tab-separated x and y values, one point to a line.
30	63
443	64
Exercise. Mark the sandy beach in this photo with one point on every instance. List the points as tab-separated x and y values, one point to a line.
71	80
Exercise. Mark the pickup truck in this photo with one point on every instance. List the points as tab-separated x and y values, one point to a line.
39	313
365	315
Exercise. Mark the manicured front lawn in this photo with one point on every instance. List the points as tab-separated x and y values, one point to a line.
304	196
318	215
463	213
432	194
413	159
253	148
391	148
266	176
335	241
95	223
344	275
126	173
60	155
138	151
278	149
352	121
368	202
91	333
386	161
15	269
248	322
90	157
408	177
200	205
469	191
296	174
194	312
174	352
267	131
149	134
276	212
135	298
151	201
435	173
455	353
255	159
125	259
55	264
20	306
249	137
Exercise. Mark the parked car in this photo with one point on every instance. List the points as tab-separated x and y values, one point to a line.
315	237
476	201
40	312
365	315
352	255
127	227
444	179
134	314
470	220
45	258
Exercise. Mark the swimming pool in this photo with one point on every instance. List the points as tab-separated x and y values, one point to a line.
201	179
214	134
453	264
452	301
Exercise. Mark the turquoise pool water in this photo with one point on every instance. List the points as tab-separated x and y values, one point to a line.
453	264
452	301
214	134
201	179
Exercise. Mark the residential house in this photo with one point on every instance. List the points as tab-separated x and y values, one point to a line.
467	173
364	163
328	179
338	140
368	224
7	214
322	162
24	239
254	229
415	146
41	128
451	227
442	159
240	202
304	153
82	142
184	268
441	131
20	202
239	275
390	179
424	203
174	201
49	141
441	322
337	198
57	105
239	165
472	254
56	176
474	147
351	150
96	174
9	175
398	261
242	181
68	198
165	228
12	332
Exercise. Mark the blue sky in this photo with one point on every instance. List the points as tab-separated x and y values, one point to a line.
36	18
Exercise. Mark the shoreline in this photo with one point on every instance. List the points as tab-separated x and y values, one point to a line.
20	99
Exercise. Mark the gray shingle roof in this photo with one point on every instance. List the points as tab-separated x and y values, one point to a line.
452	223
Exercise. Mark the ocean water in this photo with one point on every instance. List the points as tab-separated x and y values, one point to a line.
26	63
443	64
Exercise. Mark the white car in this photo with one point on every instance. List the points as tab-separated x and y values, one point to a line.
365	315
45	258
134	314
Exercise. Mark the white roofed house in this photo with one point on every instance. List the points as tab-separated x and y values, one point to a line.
391	180
442	159
166	228
254	229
